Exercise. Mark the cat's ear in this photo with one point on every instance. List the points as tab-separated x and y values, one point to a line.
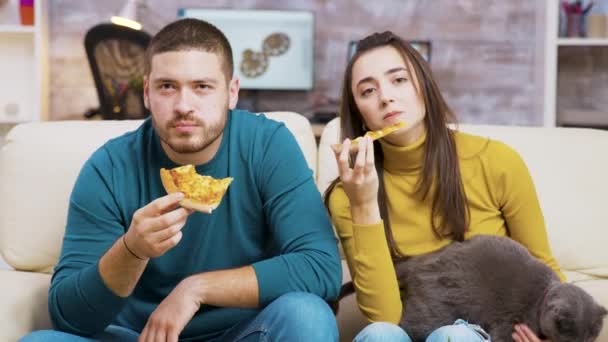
601	312
598	320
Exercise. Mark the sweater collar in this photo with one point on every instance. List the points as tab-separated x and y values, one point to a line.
399	159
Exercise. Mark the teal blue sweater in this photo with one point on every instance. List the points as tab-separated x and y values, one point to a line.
272	218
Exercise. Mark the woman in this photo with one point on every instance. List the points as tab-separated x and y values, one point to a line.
419	188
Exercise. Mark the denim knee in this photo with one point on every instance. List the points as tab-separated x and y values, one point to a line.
382	332
111	333
52	335
308	314
455	333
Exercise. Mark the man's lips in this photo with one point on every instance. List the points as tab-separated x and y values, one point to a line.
391	114
185	124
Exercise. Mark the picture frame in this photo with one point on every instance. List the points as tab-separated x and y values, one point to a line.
272	50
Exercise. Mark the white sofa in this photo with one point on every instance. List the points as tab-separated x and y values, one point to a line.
569	167
40	161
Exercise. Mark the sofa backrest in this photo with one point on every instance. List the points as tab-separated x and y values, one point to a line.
39	163
569	167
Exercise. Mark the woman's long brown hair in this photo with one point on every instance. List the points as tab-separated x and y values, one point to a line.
440	169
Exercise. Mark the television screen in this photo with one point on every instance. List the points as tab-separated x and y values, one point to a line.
423	47
271	49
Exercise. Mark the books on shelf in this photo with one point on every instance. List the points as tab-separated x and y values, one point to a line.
596	26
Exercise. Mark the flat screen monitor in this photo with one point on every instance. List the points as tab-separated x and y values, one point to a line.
271	49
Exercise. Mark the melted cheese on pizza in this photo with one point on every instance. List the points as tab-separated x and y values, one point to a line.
203	189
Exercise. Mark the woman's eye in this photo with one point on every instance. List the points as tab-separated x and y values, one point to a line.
367	91
400	79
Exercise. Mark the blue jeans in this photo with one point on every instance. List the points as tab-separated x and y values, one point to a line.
295	316
460	331
382	332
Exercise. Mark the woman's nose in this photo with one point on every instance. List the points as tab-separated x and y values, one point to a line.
386	97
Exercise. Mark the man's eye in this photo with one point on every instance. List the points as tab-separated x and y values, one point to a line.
166	86
203	86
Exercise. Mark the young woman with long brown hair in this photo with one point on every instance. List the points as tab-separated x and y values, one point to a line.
419	188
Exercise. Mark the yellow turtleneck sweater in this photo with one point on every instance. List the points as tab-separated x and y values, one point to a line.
502	201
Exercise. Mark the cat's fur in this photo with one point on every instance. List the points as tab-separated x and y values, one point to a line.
493	282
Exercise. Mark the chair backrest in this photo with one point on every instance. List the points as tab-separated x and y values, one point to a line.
569	168
116	58
39	164
328	169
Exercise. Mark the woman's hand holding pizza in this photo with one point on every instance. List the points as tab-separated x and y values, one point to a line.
361	181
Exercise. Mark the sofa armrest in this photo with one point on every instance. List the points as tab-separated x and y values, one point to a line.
23	303
350	319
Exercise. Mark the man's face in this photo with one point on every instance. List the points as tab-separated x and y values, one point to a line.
189	97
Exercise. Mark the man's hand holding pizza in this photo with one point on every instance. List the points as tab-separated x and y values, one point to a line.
156	228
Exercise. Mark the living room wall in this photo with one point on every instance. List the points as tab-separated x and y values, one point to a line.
485	54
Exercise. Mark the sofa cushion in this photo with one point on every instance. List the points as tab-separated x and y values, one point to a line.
23	303
569	168
39	164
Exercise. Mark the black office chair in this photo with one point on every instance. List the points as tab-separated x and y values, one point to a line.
116	57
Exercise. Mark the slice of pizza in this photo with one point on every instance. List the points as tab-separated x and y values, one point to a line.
201	193
375	135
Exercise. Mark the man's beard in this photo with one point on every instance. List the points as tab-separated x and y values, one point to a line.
187	142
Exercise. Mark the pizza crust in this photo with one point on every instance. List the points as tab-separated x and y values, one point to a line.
375	135
167	180
193	205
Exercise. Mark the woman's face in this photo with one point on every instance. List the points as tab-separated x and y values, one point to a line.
385	94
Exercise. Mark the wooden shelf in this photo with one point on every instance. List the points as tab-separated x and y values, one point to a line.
554	113
17	29
582	42
582	117
24	61
14	122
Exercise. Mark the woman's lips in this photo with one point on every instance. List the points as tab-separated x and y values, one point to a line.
391	115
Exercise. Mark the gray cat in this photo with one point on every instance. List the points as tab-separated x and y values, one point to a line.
493	282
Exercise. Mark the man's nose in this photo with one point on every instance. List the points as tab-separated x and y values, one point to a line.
184	102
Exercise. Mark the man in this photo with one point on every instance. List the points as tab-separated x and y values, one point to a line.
134	265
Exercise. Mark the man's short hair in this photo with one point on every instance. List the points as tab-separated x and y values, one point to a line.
191	34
